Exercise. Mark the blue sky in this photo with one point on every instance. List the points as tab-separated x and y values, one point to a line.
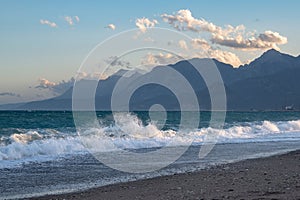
31	51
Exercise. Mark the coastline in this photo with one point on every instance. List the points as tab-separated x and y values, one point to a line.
274	177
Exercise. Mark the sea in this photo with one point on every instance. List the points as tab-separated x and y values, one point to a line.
41	152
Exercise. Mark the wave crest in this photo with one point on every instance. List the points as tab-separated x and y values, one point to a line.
130	133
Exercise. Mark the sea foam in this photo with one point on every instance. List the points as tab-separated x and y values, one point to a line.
130	133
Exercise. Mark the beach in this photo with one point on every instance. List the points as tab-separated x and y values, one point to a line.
47	157
275	177
121	100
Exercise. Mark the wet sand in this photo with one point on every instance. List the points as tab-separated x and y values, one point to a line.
276	177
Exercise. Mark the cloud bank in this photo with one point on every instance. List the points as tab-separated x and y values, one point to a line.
266	40
206	49
235	37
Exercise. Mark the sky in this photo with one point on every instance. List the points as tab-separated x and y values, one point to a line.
43	43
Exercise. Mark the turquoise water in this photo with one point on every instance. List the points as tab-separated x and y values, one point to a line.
60	119
25	135
41	152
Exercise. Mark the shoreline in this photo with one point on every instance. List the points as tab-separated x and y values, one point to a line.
276	176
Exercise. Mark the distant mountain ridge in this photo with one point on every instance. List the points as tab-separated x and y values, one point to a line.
270	82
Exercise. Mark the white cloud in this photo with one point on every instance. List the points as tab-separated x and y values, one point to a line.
273	38
183	20
152	60
87	76
144	23
76	18
56	88
111	26
229	36
199	43
182	44
71	20
225	57
269	36
265	40
46	22
44	83
115	61
207	50
159	59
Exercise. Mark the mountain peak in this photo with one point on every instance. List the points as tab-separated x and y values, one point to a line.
272	53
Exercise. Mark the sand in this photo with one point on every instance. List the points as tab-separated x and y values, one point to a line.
276	177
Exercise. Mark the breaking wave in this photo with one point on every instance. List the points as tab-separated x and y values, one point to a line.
130	133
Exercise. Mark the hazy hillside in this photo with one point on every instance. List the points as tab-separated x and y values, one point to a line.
270	82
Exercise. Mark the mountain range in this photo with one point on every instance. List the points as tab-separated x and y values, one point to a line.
270	82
